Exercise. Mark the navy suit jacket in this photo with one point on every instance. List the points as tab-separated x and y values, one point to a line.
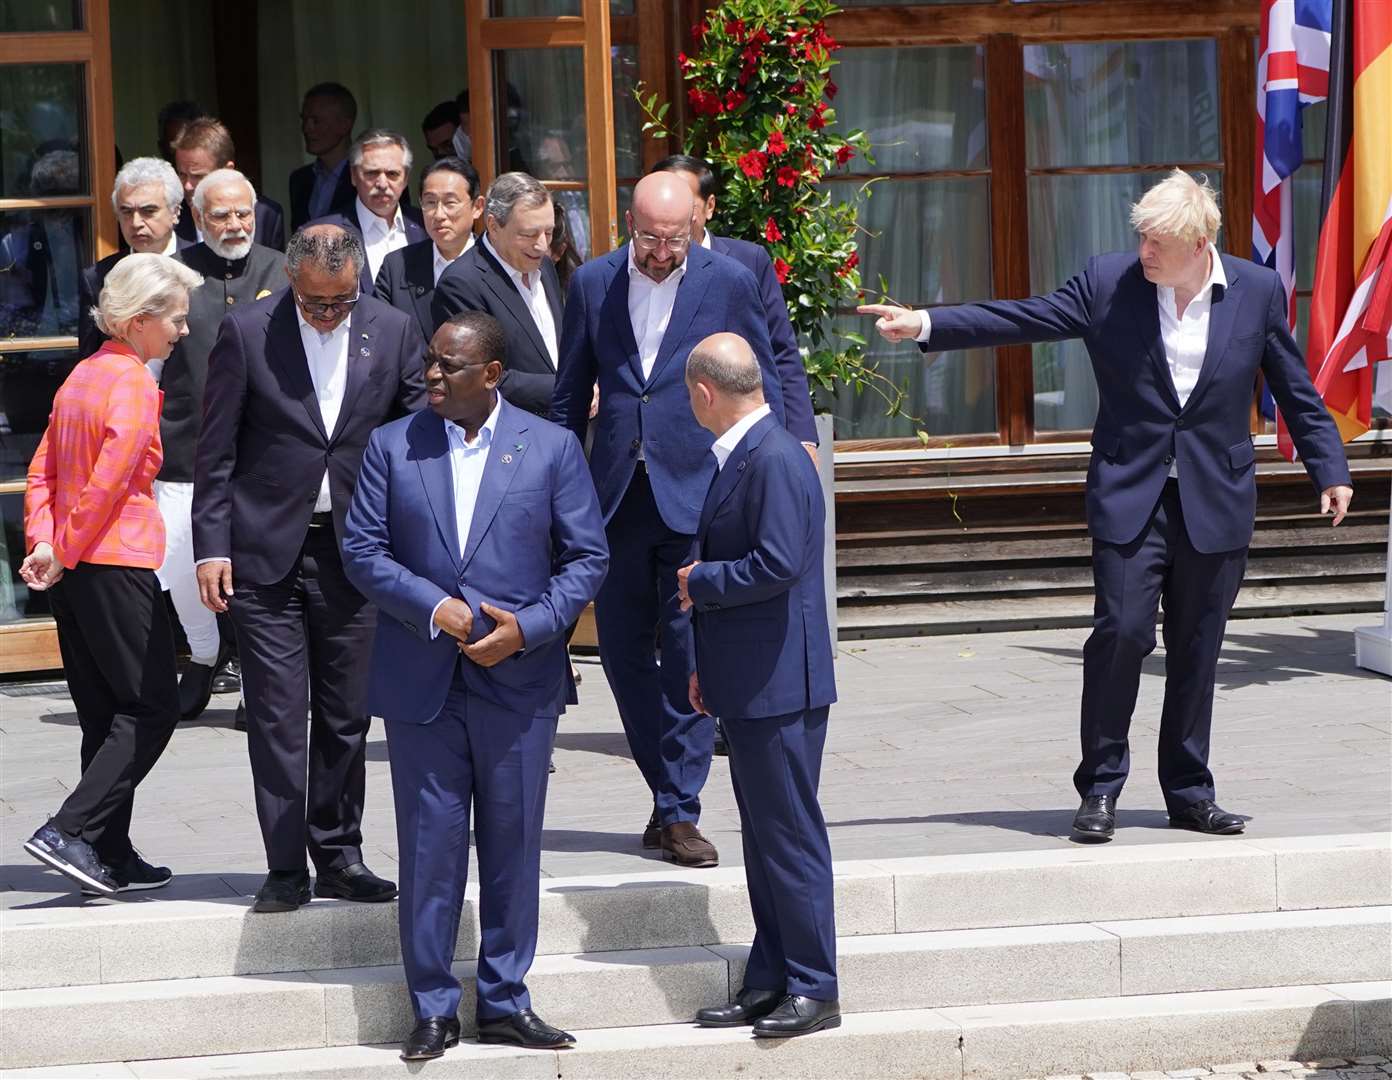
410	220
477	282
1141	430
536	547
763	645
263	449
270	224
301	186
407	282
792	375
597	343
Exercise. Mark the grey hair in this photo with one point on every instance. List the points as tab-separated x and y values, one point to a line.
511	190
213	179
148	170
379	137
737	376
141	284
329	249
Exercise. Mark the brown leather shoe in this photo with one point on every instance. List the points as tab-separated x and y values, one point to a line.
652	832
684	845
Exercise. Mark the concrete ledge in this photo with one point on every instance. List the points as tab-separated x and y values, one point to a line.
1279	948
1372	1015
1332	871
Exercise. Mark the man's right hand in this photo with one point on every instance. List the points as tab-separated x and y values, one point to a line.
215	584
455	618
893	322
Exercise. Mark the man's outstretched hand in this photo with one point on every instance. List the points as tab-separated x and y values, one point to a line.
894	323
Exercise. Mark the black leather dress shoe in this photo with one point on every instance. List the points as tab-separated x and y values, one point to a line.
195	690
354	882
283	890
798	1015
722	748
652	832
432	1037
239	721
749	1005
1095	821
525	1029
228	679
1208	817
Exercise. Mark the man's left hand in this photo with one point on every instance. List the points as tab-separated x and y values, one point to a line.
505	639
1336	500
682	577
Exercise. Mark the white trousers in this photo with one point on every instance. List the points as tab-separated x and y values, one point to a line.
177	575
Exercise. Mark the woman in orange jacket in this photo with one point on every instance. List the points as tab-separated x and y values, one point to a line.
95	538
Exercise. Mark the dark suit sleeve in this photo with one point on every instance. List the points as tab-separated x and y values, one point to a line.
224	398
1313	432
1063	314
367	548
449	297
576	373
275	232
749	323
777	499
410	393
89	338
530	390
792	376
580	552
384	288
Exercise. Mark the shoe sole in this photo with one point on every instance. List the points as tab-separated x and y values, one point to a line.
272	907
825	1025
652	845
1079	837
134	886
329	894
728	1023
48	858
1231	830
703	864
449	1044
496	1040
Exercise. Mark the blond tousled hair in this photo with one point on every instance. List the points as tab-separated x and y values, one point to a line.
1179	206
141	284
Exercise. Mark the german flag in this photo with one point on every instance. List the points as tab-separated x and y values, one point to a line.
1351	309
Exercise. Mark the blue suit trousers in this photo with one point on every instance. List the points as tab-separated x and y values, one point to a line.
472	753
776	766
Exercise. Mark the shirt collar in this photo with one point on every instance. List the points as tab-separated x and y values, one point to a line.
724	446
486	430
440	264
1216	278
173	245
511	271
633	270
375	224
306	325
705	240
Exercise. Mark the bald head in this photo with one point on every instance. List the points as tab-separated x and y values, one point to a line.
726	364
662	201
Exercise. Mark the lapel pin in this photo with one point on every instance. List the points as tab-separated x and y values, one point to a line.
364	337
365	351
507	459
518	446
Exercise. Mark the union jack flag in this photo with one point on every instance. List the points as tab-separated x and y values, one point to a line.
1292	72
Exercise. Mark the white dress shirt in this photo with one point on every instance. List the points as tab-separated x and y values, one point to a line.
650	309
724	446
327	355
705	239
441	264
534	297
379	237
467	461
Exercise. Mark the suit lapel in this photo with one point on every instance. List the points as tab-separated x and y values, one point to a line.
420	282
728	478
433	459
361	351
615	312
552	284
1221	314
288	347
501	284
505	455
691	291
1145	305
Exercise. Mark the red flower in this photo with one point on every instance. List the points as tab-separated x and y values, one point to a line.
735	28
831	89
753	164
816	121
683	60
788	176
790	109
798	88
771	233
703	103
699	30
734	99
747	73
782	270
844	154
849	265
776	145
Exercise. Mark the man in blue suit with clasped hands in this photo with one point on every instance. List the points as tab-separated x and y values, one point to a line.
475	530
1177	334
631	319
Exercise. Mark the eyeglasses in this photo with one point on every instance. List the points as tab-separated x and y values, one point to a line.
451	367
328	307
649	242
220	216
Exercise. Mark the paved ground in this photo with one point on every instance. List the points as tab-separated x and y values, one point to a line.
939	745
1361	1068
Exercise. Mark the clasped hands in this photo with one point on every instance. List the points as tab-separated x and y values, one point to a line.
683	589
40	567
456	619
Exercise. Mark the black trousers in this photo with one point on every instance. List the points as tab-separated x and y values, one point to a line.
118	655
1197	590
304	643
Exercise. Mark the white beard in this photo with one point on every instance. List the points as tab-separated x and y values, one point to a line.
232	250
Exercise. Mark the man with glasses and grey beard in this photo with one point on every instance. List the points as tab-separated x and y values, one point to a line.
235	270
296	384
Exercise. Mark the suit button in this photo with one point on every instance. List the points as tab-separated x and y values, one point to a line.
1179	423
228	275
645	399
637	443
231	299
1169	459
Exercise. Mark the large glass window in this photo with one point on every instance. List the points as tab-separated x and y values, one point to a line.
1098	135
927	229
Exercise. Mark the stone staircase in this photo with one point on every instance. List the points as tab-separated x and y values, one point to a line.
988	966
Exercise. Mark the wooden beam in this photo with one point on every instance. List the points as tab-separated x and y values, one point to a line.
1010	239
67	47
560	32
55	202
483	116
29	647
101	134
1079	20
19	344
599	128
655	56
1237	87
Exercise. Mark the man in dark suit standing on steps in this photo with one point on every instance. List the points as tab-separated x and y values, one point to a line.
631	318
792	376
450	204
1177	336
296	384
763	662
324	186
509	274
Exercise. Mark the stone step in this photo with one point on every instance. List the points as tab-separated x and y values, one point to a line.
935	969
122	941
994	1042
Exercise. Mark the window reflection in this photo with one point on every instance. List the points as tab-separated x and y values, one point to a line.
42	252
41	112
